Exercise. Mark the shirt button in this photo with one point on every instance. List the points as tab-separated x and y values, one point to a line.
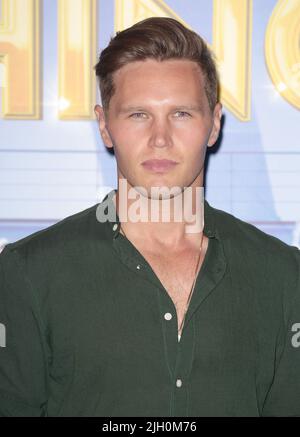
138	267
168	316
178	383
115	226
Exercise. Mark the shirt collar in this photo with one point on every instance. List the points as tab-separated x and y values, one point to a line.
113	223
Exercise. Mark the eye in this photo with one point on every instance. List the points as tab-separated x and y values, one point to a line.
182	114
138	115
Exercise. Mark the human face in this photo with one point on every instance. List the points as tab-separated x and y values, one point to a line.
159	111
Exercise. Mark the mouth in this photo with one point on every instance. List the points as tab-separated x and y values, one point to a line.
159	165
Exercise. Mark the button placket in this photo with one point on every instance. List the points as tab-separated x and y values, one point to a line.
115	227
168	316
178	383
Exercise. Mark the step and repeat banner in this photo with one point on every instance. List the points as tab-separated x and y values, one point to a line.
52	160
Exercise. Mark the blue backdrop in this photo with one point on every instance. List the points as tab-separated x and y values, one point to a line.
52	168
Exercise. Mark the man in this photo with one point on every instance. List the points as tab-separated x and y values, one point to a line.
152	317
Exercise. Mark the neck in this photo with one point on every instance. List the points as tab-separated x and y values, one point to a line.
172	222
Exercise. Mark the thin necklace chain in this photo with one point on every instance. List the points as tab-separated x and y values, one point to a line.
193	285
192	289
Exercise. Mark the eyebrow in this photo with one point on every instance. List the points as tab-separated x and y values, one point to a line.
196	108
130	108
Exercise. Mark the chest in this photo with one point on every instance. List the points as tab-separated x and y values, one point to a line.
176	272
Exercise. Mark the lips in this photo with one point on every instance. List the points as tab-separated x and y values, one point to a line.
159	164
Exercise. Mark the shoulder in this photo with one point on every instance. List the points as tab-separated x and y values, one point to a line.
248	242
68	237
266	265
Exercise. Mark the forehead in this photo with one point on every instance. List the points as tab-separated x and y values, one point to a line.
159	78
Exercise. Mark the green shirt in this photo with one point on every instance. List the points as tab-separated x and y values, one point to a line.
91	331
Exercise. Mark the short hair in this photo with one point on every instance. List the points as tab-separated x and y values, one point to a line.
158	38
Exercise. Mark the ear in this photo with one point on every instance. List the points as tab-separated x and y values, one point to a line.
217	115
102	122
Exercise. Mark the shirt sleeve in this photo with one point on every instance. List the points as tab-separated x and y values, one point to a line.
283	398
22	354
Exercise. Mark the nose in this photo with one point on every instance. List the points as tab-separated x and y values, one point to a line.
160	133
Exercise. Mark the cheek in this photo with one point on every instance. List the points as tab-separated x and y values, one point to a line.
130	141
126	134
194	133
194	149
126	148
193	141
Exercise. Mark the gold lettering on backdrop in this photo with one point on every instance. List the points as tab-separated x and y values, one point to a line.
232	36
232	33
19	54
77	57
128	12
282	49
